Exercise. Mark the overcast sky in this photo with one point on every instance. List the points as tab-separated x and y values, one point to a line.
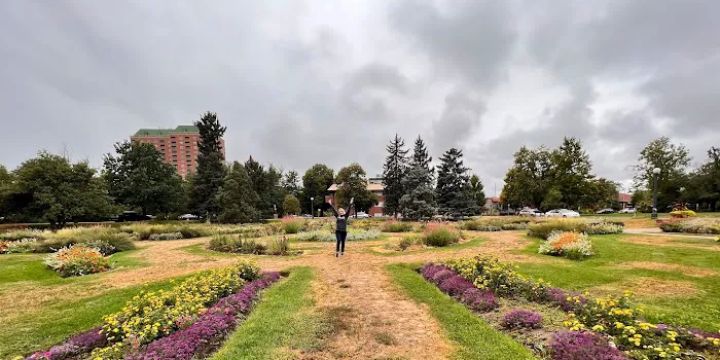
302	82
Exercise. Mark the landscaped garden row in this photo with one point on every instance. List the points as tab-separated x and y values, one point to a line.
189	320
598	328
693	225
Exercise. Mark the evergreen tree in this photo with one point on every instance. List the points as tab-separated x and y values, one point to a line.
210	174
237	198
421	157
266	184
394	171
139	178
453	186
418	202
477	191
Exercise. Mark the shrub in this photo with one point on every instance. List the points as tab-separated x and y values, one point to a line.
4	246
695	226
455	285
440	235
77	260
165	236
479	300
441	276
278	246
236	244
519	319
490	274
407	242
682	213
604	228
396	227
292	225
26	245
429	270
543	229
568	244
22	234
582	345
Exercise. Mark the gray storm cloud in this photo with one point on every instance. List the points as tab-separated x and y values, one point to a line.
304	82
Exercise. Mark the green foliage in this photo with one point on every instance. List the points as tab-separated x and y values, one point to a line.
440	235
454	197
278	245
352	182
266	184
49	188
205	184
138	178
672	160
291	184
394	171
418	202
543	229
316	181
397	226
703	185
292	225
477	191
291	205
236	244
236	198
496	223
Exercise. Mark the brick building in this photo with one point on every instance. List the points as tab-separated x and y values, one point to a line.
179	146
375	186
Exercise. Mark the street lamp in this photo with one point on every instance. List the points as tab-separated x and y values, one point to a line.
312	209
656	172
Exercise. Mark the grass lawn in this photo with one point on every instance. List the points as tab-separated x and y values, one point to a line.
472	336
53	324
283	321
674	284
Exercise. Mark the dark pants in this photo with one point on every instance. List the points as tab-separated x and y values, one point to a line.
340	244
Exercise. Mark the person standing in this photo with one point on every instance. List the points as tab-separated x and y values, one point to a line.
341	226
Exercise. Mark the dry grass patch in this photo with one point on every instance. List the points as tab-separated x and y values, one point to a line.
683	269
670	241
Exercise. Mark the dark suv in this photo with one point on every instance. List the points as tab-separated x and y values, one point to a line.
132	216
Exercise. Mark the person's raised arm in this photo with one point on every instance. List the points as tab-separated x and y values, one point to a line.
332	208
352	203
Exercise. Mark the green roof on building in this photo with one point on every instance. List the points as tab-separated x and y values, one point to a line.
182	129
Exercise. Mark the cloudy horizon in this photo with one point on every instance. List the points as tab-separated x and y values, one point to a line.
302	82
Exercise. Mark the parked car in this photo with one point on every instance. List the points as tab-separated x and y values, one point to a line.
627	211
530	212
362	215
133	216
605	211
188	217
505	212
562	213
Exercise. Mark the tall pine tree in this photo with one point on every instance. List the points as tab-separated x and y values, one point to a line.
237	198
394	171
453	186
421	157
210	172
418	201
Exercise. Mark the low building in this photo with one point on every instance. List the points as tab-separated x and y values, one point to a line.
375	186
624	200
179	146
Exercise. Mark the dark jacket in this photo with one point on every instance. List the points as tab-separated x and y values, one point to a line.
341	221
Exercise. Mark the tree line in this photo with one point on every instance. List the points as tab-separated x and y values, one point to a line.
551	178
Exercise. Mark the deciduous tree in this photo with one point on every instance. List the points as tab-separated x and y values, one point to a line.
316	181
352	183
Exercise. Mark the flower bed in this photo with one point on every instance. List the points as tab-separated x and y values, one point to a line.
609	318
695	226
543	229
497	224
571	245
77	260
522	319
172	324
105	239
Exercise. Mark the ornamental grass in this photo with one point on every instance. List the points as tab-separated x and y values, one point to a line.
440	235
77	260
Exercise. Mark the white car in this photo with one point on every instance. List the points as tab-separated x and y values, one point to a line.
530	212
188	217
562	213
627	211
362	215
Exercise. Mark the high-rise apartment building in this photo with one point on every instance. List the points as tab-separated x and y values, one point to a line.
179	146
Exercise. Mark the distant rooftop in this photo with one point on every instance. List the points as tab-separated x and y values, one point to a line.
182	129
